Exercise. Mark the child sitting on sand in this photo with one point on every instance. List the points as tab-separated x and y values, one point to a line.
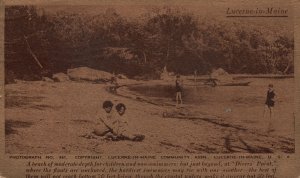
114	126
123	130
108	122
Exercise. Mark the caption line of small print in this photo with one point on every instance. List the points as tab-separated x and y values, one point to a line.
255	16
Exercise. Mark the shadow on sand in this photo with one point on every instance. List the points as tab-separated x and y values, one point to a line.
10	126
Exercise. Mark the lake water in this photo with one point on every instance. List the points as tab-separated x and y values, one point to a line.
255	93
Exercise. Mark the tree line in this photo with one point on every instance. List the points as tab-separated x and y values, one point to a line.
40	44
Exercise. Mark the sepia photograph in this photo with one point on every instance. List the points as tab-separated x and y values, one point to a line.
148	79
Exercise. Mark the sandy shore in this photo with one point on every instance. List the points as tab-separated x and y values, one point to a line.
45	117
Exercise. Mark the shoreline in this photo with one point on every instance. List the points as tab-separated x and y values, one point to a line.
53	107
190	110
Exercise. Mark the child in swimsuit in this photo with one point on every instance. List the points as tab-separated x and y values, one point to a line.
178	87
270	102
270	97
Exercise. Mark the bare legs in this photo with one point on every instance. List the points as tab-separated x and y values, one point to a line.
178	98
270	110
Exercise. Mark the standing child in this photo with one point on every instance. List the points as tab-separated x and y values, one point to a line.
114	83
178	87
195	75
270	101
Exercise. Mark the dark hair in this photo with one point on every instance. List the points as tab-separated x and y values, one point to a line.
271	85
107	104
177	76
119	106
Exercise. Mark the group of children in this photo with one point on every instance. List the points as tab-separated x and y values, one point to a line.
114	124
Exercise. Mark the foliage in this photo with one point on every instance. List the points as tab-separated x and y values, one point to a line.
165	36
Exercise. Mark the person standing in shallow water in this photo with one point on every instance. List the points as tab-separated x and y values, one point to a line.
114	83
178	87
195	75
270	101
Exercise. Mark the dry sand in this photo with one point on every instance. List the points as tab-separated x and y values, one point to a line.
45	117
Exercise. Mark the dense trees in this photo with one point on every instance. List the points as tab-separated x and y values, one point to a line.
26	42
38	44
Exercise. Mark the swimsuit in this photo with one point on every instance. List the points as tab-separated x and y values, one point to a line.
177	86
269	101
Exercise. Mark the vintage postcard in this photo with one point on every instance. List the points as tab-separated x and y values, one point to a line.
144	89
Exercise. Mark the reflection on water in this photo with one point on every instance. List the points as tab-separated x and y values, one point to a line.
162	91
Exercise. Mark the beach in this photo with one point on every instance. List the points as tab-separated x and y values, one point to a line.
53	117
